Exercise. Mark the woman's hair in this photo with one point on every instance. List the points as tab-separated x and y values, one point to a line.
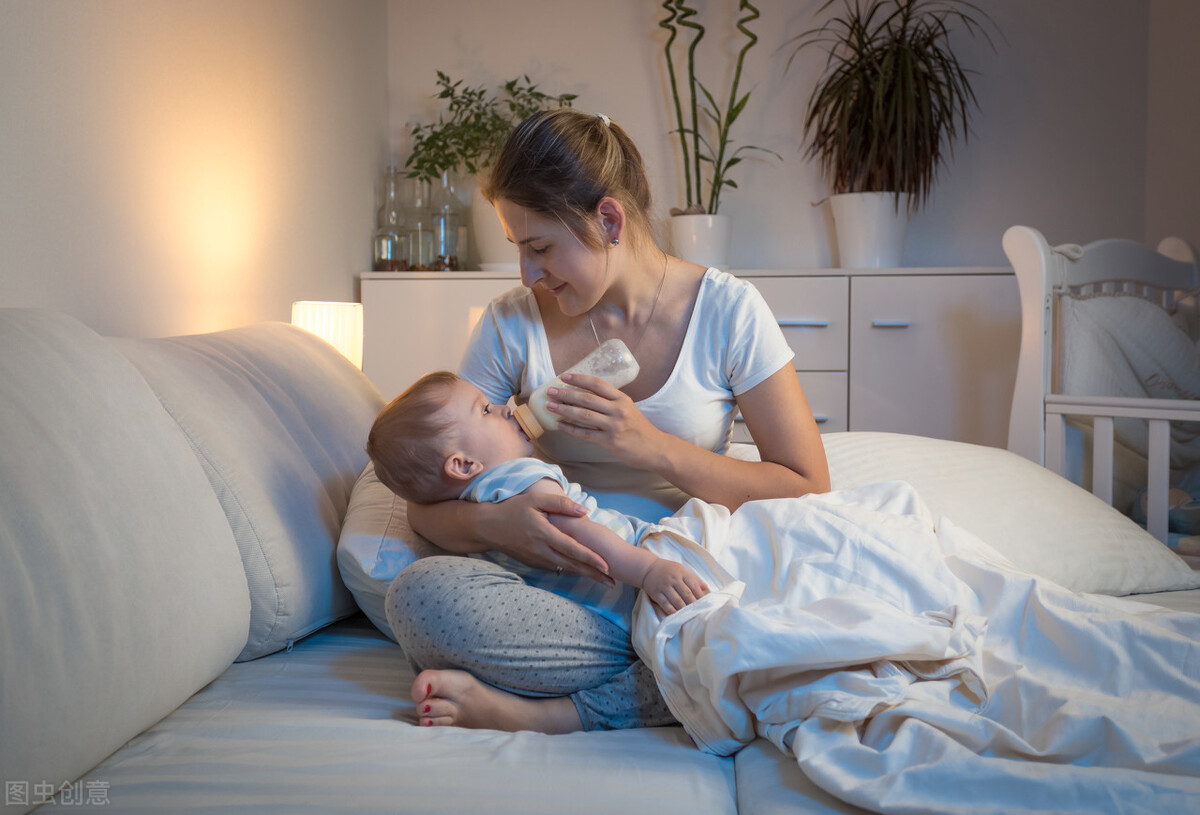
409	441
562	162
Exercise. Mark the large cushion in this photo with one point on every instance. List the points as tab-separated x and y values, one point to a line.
279	421
121	589
1040	521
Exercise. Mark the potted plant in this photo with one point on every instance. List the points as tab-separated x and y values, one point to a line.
465	139
885	114
700	233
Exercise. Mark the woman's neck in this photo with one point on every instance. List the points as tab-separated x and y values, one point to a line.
633	292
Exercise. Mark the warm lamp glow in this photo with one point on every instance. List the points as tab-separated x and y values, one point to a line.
339	324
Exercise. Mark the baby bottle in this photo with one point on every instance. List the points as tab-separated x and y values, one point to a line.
612	362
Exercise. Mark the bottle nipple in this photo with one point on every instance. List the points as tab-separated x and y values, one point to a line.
528	421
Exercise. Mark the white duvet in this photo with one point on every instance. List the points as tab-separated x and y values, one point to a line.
908	667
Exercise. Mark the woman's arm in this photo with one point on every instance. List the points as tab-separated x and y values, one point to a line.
777	416
519	527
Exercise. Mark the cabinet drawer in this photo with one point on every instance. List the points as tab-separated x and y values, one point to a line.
813	313
935	355
827	394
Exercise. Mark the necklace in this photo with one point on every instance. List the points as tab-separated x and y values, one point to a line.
654	305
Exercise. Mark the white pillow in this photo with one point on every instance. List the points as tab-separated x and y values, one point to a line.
376	544
1040	521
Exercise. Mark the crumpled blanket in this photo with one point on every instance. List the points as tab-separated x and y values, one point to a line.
908	667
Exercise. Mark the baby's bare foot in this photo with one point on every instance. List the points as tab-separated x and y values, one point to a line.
456	698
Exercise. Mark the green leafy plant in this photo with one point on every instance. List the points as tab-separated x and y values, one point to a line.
893	97
698	148
474	125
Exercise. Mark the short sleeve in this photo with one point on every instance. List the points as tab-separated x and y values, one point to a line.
510	478
483	363
757	347
497	356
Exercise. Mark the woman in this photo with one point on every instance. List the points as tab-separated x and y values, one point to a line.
571	192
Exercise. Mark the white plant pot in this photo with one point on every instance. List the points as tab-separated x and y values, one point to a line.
702	239
495	252
870	230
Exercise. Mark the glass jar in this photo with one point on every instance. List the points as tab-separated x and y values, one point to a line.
391	239
444	209
418	221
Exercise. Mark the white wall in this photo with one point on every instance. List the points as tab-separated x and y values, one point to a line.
187	165
1173	159
1059	141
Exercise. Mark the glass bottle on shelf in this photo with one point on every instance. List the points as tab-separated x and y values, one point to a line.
391	239
419	226
444	209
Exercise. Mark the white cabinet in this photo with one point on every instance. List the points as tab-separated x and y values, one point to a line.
931	352
416	322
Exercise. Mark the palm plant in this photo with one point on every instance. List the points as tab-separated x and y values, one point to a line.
893	98
697	148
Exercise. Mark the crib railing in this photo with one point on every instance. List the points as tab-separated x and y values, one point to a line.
1158	412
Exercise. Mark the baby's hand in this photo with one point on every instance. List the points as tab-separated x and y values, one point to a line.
671	586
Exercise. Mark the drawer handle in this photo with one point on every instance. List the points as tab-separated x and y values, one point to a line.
817	419
890	324
803	323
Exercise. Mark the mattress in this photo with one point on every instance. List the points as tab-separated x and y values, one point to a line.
1174	600
328	727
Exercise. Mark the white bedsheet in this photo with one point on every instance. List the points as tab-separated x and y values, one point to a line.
327	728
906	666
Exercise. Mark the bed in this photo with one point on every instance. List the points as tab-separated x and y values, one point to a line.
1108	378
146	663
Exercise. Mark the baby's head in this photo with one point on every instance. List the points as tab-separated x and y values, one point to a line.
438	435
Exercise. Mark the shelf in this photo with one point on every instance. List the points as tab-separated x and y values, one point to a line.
920	271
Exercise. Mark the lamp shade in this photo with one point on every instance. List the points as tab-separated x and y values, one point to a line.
339	324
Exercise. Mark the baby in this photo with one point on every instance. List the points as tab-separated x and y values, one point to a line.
442	439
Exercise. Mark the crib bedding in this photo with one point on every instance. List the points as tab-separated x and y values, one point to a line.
907	666
1125	346
330	722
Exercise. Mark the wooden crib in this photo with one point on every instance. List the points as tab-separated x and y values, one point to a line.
1040	409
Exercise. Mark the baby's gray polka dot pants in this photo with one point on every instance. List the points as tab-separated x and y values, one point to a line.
470	614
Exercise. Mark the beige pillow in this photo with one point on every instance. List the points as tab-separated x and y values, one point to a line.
1040	521
279	420
376	544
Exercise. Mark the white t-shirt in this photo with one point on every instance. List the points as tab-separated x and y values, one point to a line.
732	344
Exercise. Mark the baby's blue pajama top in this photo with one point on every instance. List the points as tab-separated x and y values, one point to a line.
514	477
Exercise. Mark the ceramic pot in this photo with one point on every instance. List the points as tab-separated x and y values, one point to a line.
870	230
496	254
702	239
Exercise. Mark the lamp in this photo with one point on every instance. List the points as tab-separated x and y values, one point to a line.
339	324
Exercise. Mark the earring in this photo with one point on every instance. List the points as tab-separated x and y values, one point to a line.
616	241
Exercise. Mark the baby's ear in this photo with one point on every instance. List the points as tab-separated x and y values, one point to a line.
459	467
